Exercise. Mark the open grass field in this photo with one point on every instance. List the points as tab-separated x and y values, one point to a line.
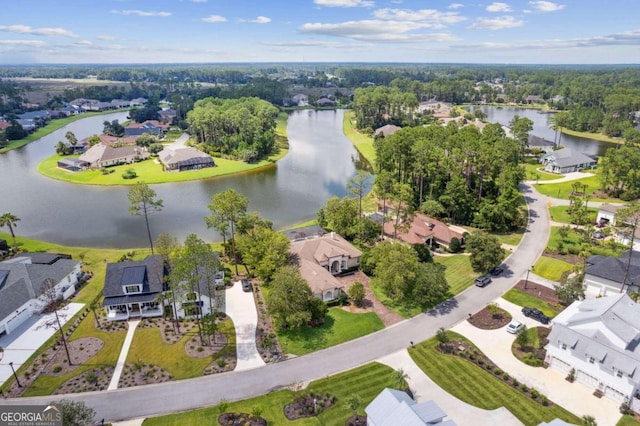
149	348
535	173
367	381
550	268
473	385
150	171
339	326
521	298
562	190
459	273
559	214
51	127
596	136
363	143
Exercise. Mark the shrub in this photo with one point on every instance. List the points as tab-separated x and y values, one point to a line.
129	174
515	382
524	388
505	376
534	393
357	293
56	369
200	349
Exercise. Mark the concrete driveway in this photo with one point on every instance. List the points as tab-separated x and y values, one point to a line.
424	389
575	397
241	307
26	339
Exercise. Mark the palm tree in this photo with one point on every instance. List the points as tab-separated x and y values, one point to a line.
353	402
399	379
10	221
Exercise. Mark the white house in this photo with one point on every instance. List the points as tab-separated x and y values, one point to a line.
598	339
207	296
607	216
321	258
21	280
393	407
604	276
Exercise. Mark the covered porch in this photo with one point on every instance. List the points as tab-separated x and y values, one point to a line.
136	306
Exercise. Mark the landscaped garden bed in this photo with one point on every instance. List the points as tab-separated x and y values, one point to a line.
80	350
138	374
266	338
93	380
490	318
240	419
533	353
309	405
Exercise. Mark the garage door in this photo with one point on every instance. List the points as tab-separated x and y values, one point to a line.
587	379
560	365
614	394
17	319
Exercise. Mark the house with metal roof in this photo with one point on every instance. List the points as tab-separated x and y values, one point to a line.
21	280
599	339
131	289
567	161
184	158
393	407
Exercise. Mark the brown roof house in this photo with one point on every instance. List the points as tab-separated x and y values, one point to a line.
386	130
425	230
321	258
152	127
101	155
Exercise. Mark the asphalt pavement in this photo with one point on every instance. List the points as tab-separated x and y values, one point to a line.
162	398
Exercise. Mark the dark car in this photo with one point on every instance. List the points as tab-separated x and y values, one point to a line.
246	285
536	314
483	280
496	270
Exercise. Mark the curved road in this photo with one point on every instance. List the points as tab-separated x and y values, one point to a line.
151	400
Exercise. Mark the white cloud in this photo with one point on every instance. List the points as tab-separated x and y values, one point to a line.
25	29
141	13
546	6
455	6
261	20
214	18
430	18
22	42
498	7
500	23
105	38
377	30
344	3
85	43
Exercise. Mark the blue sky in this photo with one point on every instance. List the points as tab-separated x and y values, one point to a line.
185	31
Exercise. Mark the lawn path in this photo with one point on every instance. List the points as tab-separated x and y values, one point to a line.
123	354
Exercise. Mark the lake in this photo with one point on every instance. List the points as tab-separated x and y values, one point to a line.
320	162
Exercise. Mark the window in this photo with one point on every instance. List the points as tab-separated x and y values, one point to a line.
592	360
564	346
619	373
132	289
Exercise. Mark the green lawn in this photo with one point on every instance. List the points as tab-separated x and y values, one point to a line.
559	214
50	128
511	238
550	268
528	357
459	273
363	143
108	356
475	386
521	298
339	326
367	381
562	190
535	172
399	308
150	171
148	347
628	421
596	136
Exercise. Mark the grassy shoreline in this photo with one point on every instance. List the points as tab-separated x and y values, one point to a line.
53	125
151	172
363	143
595	136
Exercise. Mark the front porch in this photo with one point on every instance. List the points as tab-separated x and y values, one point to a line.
126	311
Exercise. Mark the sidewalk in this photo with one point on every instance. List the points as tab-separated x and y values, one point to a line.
123	355
424	389
575	397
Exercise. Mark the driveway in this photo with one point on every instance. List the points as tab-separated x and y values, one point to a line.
26	339
575	397
241	307
424	389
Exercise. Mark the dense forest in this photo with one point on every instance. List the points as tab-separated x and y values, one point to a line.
237	128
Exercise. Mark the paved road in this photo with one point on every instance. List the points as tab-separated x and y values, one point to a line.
144	401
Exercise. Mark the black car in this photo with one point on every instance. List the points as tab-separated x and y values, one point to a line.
496	270
536	314
483	280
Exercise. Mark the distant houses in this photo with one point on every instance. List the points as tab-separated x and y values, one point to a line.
151	127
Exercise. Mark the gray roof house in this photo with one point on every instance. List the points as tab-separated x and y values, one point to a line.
604	275
386	130
599	339
21	280
131	288
566	161
184	158
393	407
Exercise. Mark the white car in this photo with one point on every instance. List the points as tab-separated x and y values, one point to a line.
514	327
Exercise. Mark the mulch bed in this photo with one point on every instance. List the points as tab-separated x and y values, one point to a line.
240	419
167	330
309	405
226	362
80	350
356	421
539	352
541	292
138	374
569	258
485	320
92	380
194	349
266	338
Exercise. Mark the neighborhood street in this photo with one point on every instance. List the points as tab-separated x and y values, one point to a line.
144	401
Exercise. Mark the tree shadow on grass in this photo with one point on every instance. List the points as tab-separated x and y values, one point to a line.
314	338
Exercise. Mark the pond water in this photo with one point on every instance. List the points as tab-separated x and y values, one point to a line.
320	162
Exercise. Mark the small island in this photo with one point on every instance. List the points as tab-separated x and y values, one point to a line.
228	136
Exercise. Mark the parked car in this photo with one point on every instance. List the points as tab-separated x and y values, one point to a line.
246	285
483	280
496	270
598	235
514	327
536	314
